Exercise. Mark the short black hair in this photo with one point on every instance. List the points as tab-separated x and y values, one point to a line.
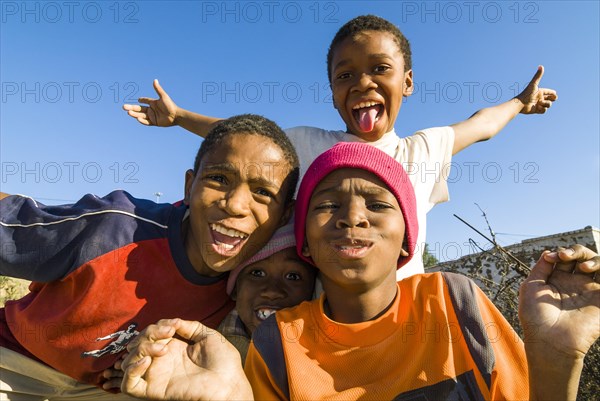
369	23
253	124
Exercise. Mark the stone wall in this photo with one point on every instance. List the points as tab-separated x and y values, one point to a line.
527	251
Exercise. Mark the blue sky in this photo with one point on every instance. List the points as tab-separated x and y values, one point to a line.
67	67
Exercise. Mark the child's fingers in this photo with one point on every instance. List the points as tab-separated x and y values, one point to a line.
138	114
145	348
542	269
549	94
153	333
112	373
119	364
591	266
577	253
146	100
574	259
537	77
194	331
132	107
111	384
133	382
159	90
151	342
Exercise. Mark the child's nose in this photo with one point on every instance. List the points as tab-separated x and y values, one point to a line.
365	82
273	290
237	202
354	216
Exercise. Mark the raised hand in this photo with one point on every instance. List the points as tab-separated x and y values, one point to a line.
559	303
198	365
536	100
161	112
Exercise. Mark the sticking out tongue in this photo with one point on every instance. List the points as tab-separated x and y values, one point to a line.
226	239
366	118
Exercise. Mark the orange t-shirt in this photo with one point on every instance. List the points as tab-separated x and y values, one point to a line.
441	339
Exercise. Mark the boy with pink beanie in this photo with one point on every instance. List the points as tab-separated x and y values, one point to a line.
430	336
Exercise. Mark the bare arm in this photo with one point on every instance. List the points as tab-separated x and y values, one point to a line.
163	112
486	123
559	309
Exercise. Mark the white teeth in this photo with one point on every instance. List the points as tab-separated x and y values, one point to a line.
365	104
351	247
228	231
262	314
226	247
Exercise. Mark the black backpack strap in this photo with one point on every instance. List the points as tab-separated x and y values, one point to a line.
462	292
267	341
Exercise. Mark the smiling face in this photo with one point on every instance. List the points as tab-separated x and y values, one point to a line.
354	230
236	201
279	281
368	82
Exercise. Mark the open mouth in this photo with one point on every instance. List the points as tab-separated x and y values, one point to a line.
353	249
367	114
264	313
227	241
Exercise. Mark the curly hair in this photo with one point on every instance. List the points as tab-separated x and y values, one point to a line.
369	23
252	124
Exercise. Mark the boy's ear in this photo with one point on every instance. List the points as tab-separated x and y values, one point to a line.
189	182
403	253
409	85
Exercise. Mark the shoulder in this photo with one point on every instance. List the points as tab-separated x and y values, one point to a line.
431	145
460	289
451	281
431	135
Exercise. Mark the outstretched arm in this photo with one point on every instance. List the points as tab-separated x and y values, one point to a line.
163	112
200	364
486	123
559	309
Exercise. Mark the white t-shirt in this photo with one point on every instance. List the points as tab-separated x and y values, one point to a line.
425	155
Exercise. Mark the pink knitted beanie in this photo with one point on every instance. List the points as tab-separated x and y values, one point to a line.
282	239
366	157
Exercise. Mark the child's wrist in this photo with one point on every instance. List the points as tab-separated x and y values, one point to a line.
544	352
178	115
519	102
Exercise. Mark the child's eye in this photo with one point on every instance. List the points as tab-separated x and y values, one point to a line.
293	276
344	75
325	206
264	192
378	206
382	68
218	178
257	273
